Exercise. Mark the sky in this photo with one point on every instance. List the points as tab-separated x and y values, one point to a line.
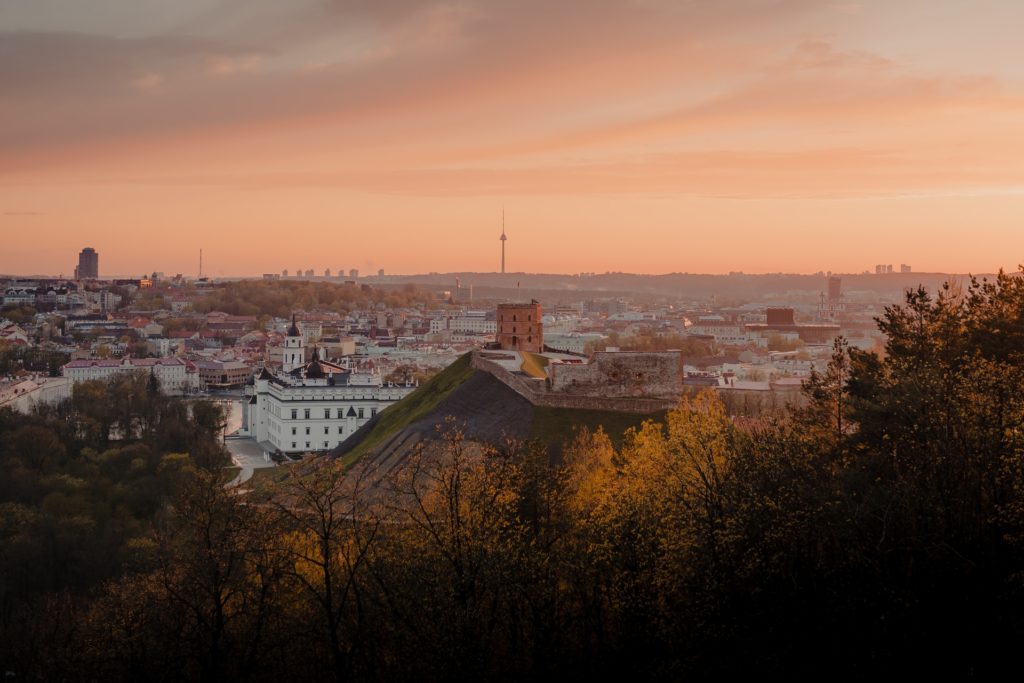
644	136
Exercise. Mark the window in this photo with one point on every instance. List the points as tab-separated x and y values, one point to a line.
340	413
307	430
307	444
360	413
373	411
325	444
513	318
293	444
295	414
341	430
307	413
293	431
327	430
327	413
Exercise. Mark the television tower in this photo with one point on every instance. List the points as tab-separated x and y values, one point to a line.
503	239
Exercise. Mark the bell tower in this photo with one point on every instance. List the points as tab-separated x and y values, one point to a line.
294	349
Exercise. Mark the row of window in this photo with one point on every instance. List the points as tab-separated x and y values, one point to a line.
327	444
327	430
352	412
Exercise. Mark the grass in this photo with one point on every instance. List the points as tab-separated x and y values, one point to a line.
267	475
534	365
412	408
558	425
230	472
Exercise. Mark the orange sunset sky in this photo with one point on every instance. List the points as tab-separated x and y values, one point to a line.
641	135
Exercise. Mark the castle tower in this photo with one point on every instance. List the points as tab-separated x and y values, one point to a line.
520	327
294	348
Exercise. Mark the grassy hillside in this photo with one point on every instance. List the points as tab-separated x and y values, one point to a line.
534	365
410	409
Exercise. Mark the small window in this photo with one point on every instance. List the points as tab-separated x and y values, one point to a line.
327	413
307	444
360	412
293	431
307	430
295	414
327	430
341	430
325	444
340	411
373	411
293	444
307	413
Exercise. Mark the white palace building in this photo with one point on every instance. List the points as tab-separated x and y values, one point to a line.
312	405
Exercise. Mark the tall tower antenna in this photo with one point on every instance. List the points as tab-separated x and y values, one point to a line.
503	239
200	264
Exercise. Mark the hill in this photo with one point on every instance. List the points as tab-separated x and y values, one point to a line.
485	408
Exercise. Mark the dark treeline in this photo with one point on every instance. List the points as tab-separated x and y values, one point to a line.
77	505
282	297
874	532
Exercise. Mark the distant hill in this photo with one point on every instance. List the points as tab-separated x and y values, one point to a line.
485	408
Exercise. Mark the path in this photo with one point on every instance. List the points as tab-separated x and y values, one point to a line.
248	455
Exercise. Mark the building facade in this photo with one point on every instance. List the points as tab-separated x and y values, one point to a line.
520	327
313	405
88	264
176	376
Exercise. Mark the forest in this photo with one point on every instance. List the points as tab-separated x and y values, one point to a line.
875	531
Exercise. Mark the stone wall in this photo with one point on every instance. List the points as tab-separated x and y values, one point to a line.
538	393
621	375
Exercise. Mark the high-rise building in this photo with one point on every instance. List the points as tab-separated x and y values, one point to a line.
88	264
835	288
354	274
904	268
327	272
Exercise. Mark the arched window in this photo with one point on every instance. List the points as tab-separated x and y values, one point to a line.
515	340
513	318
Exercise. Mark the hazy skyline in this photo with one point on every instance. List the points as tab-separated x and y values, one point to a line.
643	136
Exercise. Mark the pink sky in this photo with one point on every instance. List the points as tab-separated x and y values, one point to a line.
642	135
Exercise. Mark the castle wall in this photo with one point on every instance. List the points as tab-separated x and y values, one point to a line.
622	374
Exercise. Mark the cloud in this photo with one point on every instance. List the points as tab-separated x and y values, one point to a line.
447	98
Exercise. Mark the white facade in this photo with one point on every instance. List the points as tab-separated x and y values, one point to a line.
475	324
175	375
313	406
23	395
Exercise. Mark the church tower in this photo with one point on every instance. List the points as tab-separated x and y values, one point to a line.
294	349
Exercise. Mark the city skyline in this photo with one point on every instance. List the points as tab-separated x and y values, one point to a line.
646	137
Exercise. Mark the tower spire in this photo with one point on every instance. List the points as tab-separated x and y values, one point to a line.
503	239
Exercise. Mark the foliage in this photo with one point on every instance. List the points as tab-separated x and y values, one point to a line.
280	297
874	532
